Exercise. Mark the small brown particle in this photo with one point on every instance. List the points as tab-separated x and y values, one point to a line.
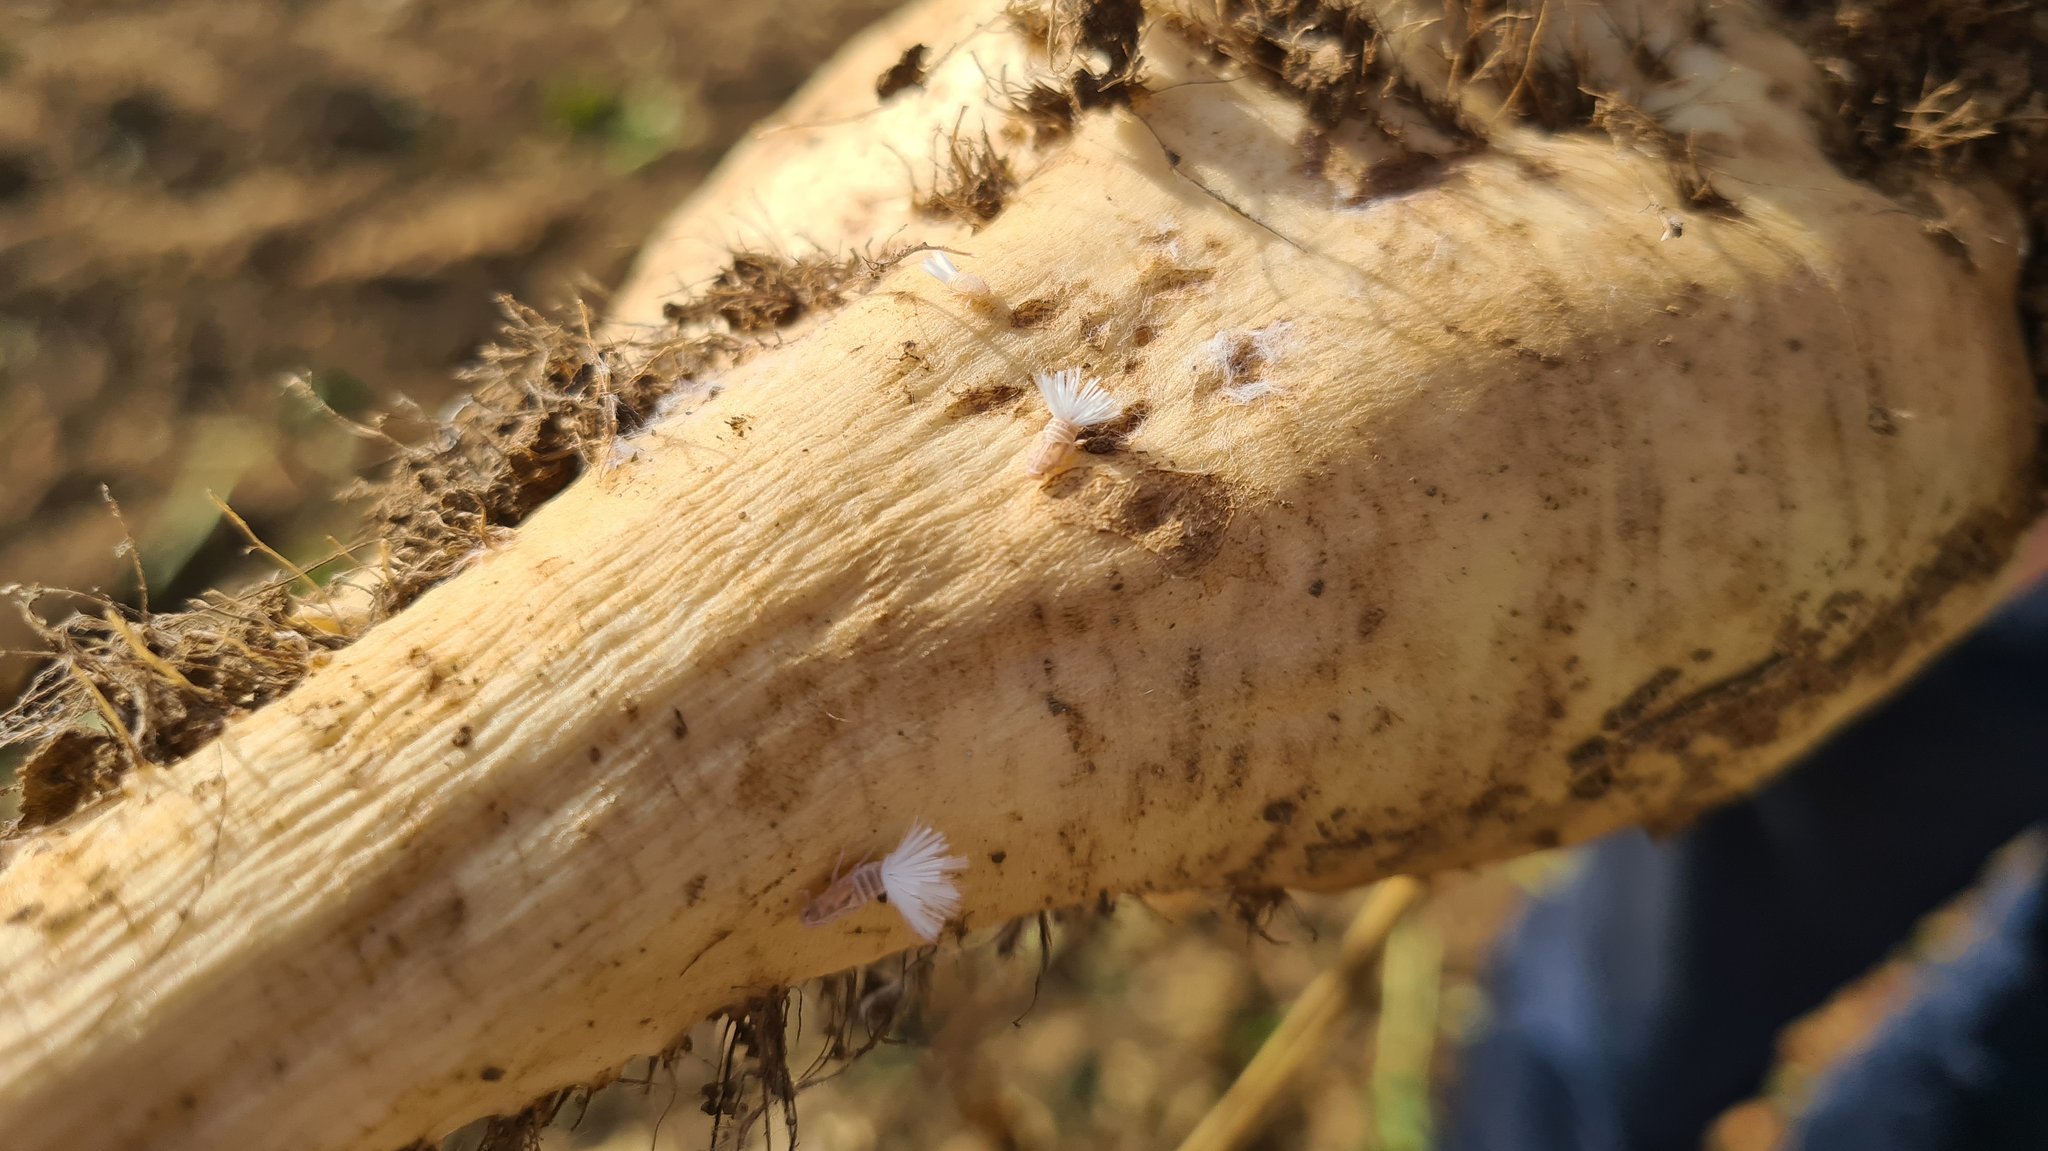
907	72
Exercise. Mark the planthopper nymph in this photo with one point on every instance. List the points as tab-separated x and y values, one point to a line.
916	879
1071	404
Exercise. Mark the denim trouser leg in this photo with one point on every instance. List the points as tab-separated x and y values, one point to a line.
1635	1004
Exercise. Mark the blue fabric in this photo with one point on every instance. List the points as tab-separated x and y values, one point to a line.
1966	1066
1641	1000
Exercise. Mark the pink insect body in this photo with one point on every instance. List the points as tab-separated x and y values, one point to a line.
967	285
916	879
846	895
1054	444
1071	404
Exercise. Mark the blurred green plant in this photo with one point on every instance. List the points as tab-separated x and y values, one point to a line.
1411	977
635	124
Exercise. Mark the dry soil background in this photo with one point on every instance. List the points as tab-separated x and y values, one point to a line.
200	196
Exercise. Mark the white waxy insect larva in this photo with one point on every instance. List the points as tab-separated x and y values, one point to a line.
916	879
970	287
1071	404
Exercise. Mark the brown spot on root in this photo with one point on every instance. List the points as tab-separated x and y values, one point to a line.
1080	739
1162	276
62	774
1180	517
768	786
1338	853
1036	312
1395	175
980	398
907	72
1104	439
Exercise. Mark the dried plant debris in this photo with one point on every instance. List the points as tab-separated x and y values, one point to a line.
1951	87
121	687
761	291
1048	110
1632	127
547	401
973	182
1953	82
761	1040
1093	44
1332	55
771	1047
522	1132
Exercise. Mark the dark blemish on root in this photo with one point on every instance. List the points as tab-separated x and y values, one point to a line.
464	736
420	658
1591	774
1632	707
1315	588
1036	312
69	768
1161	276
491	1074
1337	854
694	890
594	754
907	72
1494	801
1079	739
982	398
679	729
1407	172
1180	517
1105	439
997	857
1280	811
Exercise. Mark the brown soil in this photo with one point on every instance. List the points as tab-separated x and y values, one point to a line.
198	197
